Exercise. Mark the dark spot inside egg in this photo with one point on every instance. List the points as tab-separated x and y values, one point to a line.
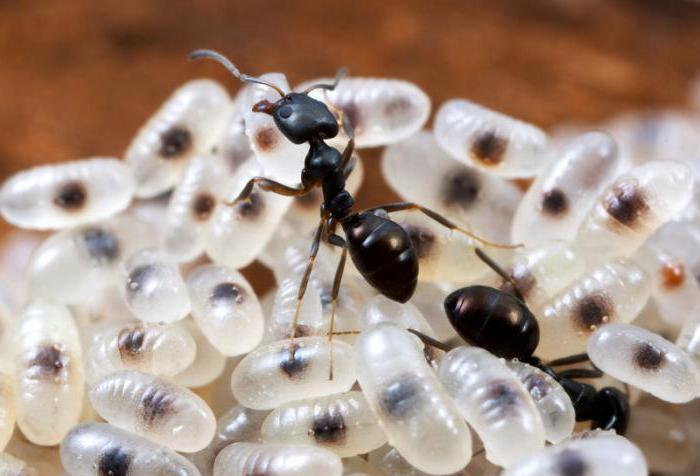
202	206
648	357
47	361
266	139
626	203
130	342
175	142
139	277
400	397
461	188
101	245
155	404
293	363
488	148
554	203
503	394
423	240
227	293
114	461
71	196
329	426
591	311
570	463
672	275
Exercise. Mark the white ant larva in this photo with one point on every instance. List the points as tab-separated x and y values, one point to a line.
418	415
275	374
243	459
489	140
342	423
494	402
48	371
99	449
188	123
66	195
646	360
208	363
153	407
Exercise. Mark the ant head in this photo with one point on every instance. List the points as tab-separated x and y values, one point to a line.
297	115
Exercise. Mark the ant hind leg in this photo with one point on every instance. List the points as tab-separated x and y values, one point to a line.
267	185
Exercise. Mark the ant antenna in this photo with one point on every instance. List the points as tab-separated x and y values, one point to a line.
213	55
495	266
342	72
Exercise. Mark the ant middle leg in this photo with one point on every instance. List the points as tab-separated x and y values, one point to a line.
340	242
401	206
268	185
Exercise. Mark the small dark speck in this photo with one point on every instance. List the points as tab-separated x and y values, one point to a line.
570	463
175	142
648	357
156	403
102	245
554	203
461	188
489	148
114	461
71	196
227	293
294	363
400	397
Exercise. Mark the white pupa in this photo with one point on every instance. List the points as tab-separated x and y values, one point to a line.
159	349
281	160
66	195
11	466
97	449
645	360
243	459
153	287
489	140
188	123
674	291
494	402
272	375
155	408
418	170
72	265
540	272
342	423
235	235
192	204
600	456
556	203
380	111
634	206
239	424
225	307
208	363
49	372
614	292
555	407
419	417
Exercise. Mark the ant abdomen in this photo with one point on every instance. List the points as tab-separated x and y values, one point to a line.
383	253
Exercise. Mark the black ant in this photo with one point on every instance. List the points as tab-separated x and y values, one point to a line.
380	248
500	322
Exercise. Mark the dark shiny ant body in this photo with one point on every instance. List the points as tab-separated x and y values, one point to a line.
501	323
380	248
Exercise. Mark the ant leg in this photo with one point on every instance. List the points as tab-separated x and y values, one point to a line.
581	373
401	206
268	186
571	359
430	341
495	266
337	241
302	286
347	157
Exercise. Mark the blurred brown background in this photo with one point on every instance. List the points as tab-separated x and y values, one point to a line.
78	78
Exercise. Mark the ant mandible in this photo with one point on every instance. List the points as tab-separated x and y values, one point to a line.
380	248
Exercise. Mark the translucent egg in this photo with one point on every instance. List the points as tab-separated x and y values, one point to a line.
342	423
224	304
48	372
236	235
11	466
243	459
420	171
188	123
674	291
8	412
489	140
539	271
556	203
555	407
72	265
380	111
152	407
494	403
196	197
280	159
602	456
153	287
270	375
633	207
418	416
208	363
645	360
239	424
66	195
614	292
100	449
159	349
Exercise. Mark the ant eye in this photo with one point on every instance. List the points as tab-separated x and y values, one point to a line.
285	112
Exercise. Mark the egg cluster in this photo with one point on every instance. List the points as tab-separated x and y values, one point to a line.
131	339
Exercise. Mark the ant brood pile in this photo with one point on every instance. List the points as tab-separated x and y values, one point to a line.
475	329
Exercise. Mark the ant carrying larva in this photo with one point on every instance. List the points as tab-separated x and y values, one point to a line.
380	248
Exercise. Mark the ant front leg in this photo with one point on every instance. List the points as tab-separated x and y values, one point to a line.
401	206
269	185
